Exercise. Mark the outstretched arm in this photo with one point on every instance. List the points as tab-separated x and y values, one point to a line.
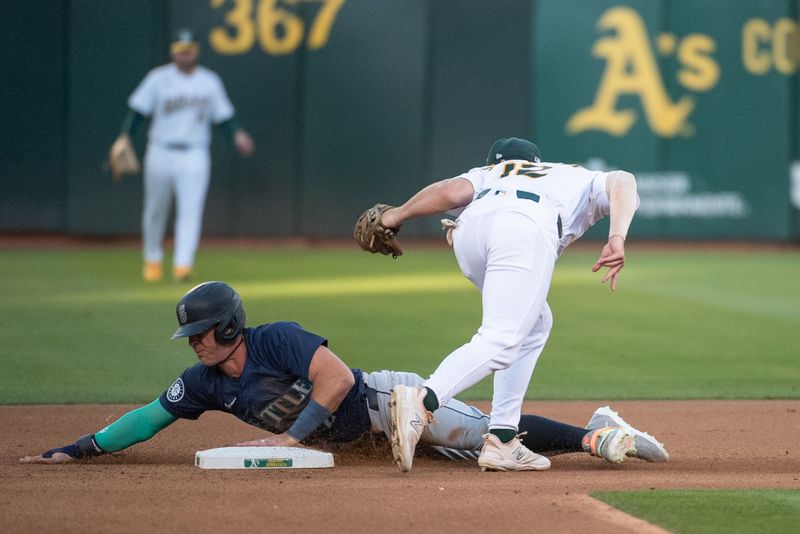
438	197
332	381
137	425
622	198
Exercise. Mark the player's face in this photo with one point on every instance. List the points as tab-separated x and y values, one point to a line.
185	59
208	351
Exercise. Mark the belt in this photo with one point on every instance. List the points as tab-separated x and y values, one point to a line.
524	195
177	146
372	397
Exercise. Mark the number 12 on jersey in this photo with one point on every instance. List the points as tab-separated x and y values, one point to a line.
531	170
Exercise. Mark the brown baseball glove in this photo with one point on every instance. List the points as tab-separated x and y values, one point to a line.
372	236
122	158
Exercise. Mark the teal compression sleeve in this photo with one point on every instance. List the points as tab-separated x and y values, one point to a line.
137	425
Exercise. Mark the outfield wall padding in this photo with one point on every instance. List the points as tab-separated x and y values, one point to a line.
352	102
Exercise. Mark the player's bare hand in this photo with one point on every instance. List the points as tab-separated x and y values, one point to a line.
613	257
278	440
55	458
244	143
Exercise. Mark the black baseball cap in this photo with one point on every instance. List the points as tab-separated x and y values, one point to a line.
513	148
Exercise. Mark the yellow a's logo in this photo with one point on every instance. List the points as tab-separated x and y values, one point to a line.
630	70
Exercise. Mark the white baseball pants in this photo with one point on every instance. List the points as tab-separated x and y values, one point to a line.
184	175
506	246
458	425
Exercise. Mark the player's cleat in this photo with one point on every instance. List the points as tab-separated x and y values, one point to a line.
152	272
610	443
511	456
647	447
181	273
409	419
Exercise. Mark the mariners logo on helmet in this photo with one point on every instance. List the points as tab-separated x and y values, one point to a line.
182	314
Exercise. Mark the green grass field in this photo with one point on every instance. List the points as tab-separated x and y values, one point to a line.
709	512
79	325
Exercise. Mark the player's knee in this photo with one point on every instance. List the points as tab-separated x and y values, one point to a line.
503	344
504	358
547	320
503	348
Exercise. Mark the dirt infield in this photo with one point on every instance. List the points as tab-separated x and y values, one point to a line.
154	487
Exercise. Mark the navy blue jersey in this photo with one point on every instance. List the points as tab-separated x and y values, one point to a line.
273	389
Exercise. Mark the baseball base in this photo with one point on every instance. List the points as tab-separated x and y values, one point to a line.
262	458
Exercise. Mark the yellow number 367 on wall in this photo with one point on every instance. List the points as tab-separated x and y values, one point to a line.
280	30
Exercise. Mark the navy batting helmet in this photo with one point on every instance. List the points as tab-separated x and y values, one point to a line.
208	305
513	148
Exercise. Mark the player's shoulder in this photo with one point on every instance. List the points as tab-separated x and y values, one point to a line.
272	331
205	72
278	326
569	169
198	374
167	69
561	164
269	341
477	170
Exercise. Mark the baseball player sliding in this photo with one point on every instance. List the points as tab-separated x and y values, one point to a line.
284	379
182	100
516	215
